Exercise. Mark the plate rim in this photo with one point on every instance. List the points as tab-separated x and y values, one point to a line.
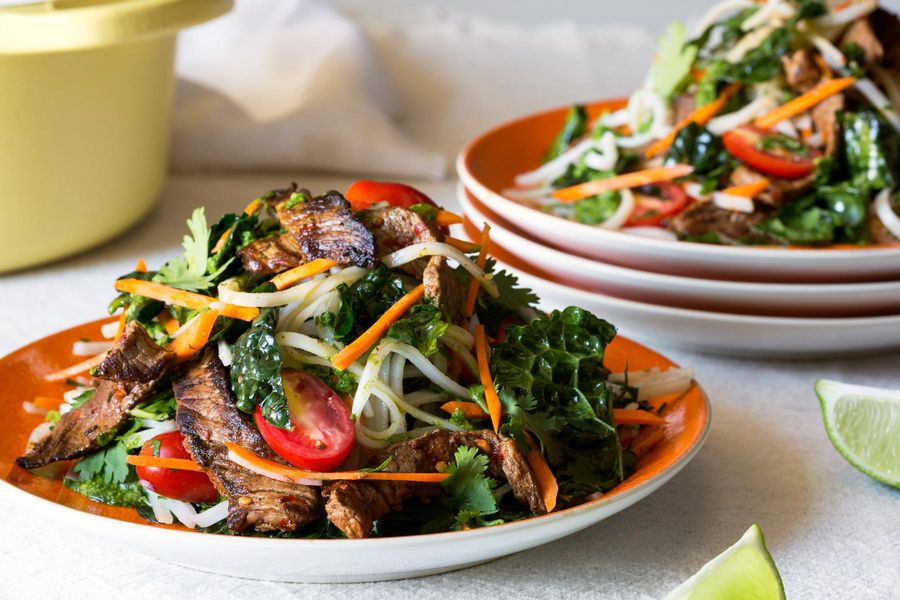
86	519
707	250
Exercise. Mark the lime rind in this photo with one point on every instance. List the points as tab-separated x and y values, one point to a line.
863	424
745	571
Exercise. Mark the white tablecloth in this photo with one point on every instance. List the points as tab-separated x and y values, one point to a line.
833	532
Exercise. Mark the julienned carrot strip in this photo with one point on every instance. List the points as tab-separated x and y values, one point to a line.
170	295
749	190
646	440
160	462
169	322
484	373
472	292
621	182
805	101
445	218
196	335
367	339
248	210
141	266
270	468
462	245
625	416
701	116
120	329
545	478
47	402
297	274
81	367
470	410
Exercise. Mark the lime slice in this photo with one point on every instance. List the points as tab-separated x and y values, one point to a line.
745	571
864	426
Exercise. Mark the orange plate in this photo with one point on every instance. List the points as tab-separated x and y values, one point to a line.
498	155
687	418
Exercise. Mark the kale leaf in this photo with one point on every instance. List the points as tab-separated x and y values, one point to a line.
372	295
870	148
420	328
695	145
552	370
256	371
574	127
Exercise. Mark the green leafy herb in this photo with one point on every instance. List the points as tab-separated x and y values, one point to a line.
420	328
550	376
123	493
381	467
256	371
107	463
295	199
339	324
342	382
189	272
574	127
459	419
779	141
808	9
870	147
158	407
674	58
155	446
762	63
513	300
468	491
428	211
697	146
81	398
597	209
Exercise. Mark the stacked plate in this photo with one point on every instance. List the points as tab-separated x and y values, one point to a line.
760	301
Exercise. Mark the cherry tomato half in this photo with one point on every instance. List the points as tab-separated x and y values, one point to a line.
365	192
321	434
745	143
651	210
187	486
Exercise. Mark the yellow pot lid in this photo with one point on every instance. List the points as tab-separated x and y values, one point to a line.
60	25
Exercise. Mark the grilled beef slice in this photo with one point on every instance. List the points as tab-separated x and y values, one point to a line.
886	26
824	117
323	227
779	190
800	70
208	417
395	228
705	218
128	374
862	34
353	506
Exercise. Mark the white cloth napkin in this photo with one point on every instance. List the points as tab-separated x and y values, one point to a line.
285	85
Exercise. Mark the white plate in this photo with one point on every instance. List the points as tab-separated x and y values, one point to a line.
723	333
342	561
800	300
679	258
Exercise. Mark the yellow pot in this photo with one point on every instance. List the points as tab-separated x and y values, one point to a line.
85	98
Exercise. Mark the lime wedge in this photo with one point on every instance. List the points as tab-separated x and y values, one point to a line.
745	571
864	426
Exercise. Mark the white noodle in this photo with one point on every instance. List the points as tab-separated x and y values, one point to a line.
756	108
270	299
225	354
416	251
428	368
81	348
160	511
461	351
31	409
886	213
653	383
732	202
552	169
657	233
460	335
623	212
109	330
212	515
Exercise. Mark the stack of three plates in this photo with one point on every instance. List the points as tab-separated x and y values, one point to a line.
751	301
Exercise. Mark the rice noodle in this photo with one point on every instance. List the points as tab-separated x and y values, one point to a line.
153	429
605	155
109	330
748	42
81	348
31	409
528	195
300	312
845	16
552	169
772	13
268	299
39	433
212	515
70	395
622	213
225	354
653	383
732	202
659	233
423	249
182	510
886	213
725	123
160	511
461	335
421	397
427	368
184	327
642	104
716	12
461	351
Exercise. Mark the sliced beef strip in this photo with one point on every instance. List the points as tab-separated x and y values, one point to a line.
779	190
683	106
862	34
127	376
325	227
731	226
270	256
207	416
800	70
824	116
353	506
395	228
886	26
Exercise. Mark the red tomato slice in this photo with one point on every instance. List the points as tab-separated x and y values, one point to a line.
321	434
743	144
364	193
187	486
651	210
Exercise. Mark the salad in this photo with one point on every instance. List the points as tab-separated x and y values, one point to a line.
772	123
340	366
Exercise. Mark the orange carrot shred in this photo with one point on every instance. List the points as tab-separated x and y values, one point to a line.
47	402
121	327
469	409
620	182
462	245
804	101
141	266
445	218
297	274
160	462
625	416
484	372
367	339
472	292
270	468
196	335
169	322
170	295
701	116
749	190
545	478
646	440
81	367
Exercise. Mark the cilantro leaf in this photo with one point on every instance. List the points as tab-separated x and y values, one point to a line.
468	491
421	328
189	272
674	57
107	464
